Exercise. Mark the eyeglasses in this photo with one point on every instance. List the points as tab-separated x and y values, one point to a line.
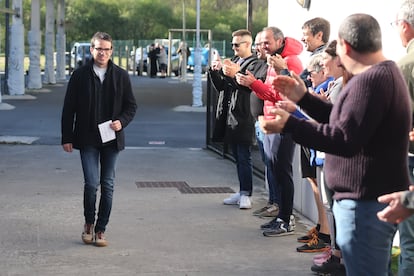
103	50
313	72
237	45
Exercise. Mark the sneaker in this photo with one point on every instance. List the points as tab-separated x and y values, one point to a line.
271	224
314	245
292	222
100	239
282	229
319	259
87	234
234	199
308	236
245	202
258	211
271	211
333	266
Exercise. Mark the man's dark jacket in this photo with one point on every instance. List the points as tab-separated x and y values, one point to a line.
235	103
79	123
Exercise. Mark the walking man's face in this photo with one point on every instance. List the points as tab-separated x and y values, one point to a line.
101	52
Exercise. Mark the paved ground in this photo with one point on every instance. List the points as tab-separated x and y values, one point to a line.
152	231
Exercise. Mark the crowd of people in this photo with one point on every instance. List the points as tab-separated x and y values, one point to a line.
341	107
349	108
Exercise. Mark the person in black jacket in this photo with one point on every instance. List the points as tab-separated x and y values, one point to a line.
98	105
235	105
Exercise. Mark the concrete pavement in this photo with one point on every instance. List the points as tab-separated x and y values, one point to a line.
152	231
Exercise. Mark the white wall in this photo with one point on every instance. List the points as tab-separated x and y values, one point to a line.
289	16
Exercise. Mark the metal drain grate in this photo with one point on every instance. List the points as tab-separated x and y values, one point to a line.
183	187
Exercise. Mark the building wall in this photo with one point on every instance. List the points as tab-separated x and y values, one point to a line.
289	16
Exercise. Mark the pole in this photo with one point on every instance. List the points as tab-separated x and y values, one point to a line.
184	51
197	89
6	49
249	15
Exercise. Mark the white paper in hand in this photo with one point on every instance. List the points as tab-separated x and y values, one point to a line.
106	132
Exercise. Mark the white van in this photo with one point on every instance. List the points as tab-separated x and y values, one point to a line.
80	54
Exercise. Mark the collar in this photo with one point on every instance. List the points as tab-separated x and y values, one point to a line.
410	46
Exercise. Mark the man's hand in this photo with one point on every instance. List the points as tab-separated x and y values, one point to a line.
245	80
116	125
274	125
287	105
277	62
230	68
395	212
411	135
292	87
68	147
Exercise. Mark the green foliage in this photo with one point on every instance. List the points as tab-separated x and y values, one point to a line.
147	19
150	19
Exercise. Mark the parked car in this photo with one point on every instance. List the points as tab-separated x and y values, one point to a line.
80	54
205	54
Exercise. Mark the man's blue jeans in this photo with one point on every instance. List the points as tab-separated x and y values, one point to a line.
406	231
406	261
243	155
260	136
98	164
365	241
271	144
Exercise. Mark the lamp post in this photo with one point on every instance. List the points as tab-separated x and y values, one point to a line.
249	15
197	89
183	51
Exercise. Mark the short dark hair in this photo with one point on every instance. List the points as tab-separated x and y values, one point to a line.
362	32
331	48
242	32
100	36
277	33
319	24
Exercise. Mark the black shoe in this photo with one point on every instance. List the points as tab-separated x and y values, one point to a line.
271	224
332	266
314	245
282	229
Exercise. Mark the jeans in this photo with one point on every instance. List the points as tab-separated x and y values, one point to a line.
279	149
406	262
260	136
243	155
406	231
91	158
365	241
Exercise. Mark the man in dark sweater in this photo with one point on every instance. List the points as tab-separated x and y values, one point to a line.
364	136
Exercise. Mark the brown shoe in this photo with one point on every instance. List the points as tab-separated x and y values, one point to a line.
87	234
271	212
308	237
100	239
314	245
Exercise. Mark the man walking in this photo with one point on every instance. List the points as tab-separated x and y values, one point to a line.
98	105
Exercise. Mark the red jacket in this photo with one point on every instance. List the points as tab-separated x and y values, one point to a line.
265	90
